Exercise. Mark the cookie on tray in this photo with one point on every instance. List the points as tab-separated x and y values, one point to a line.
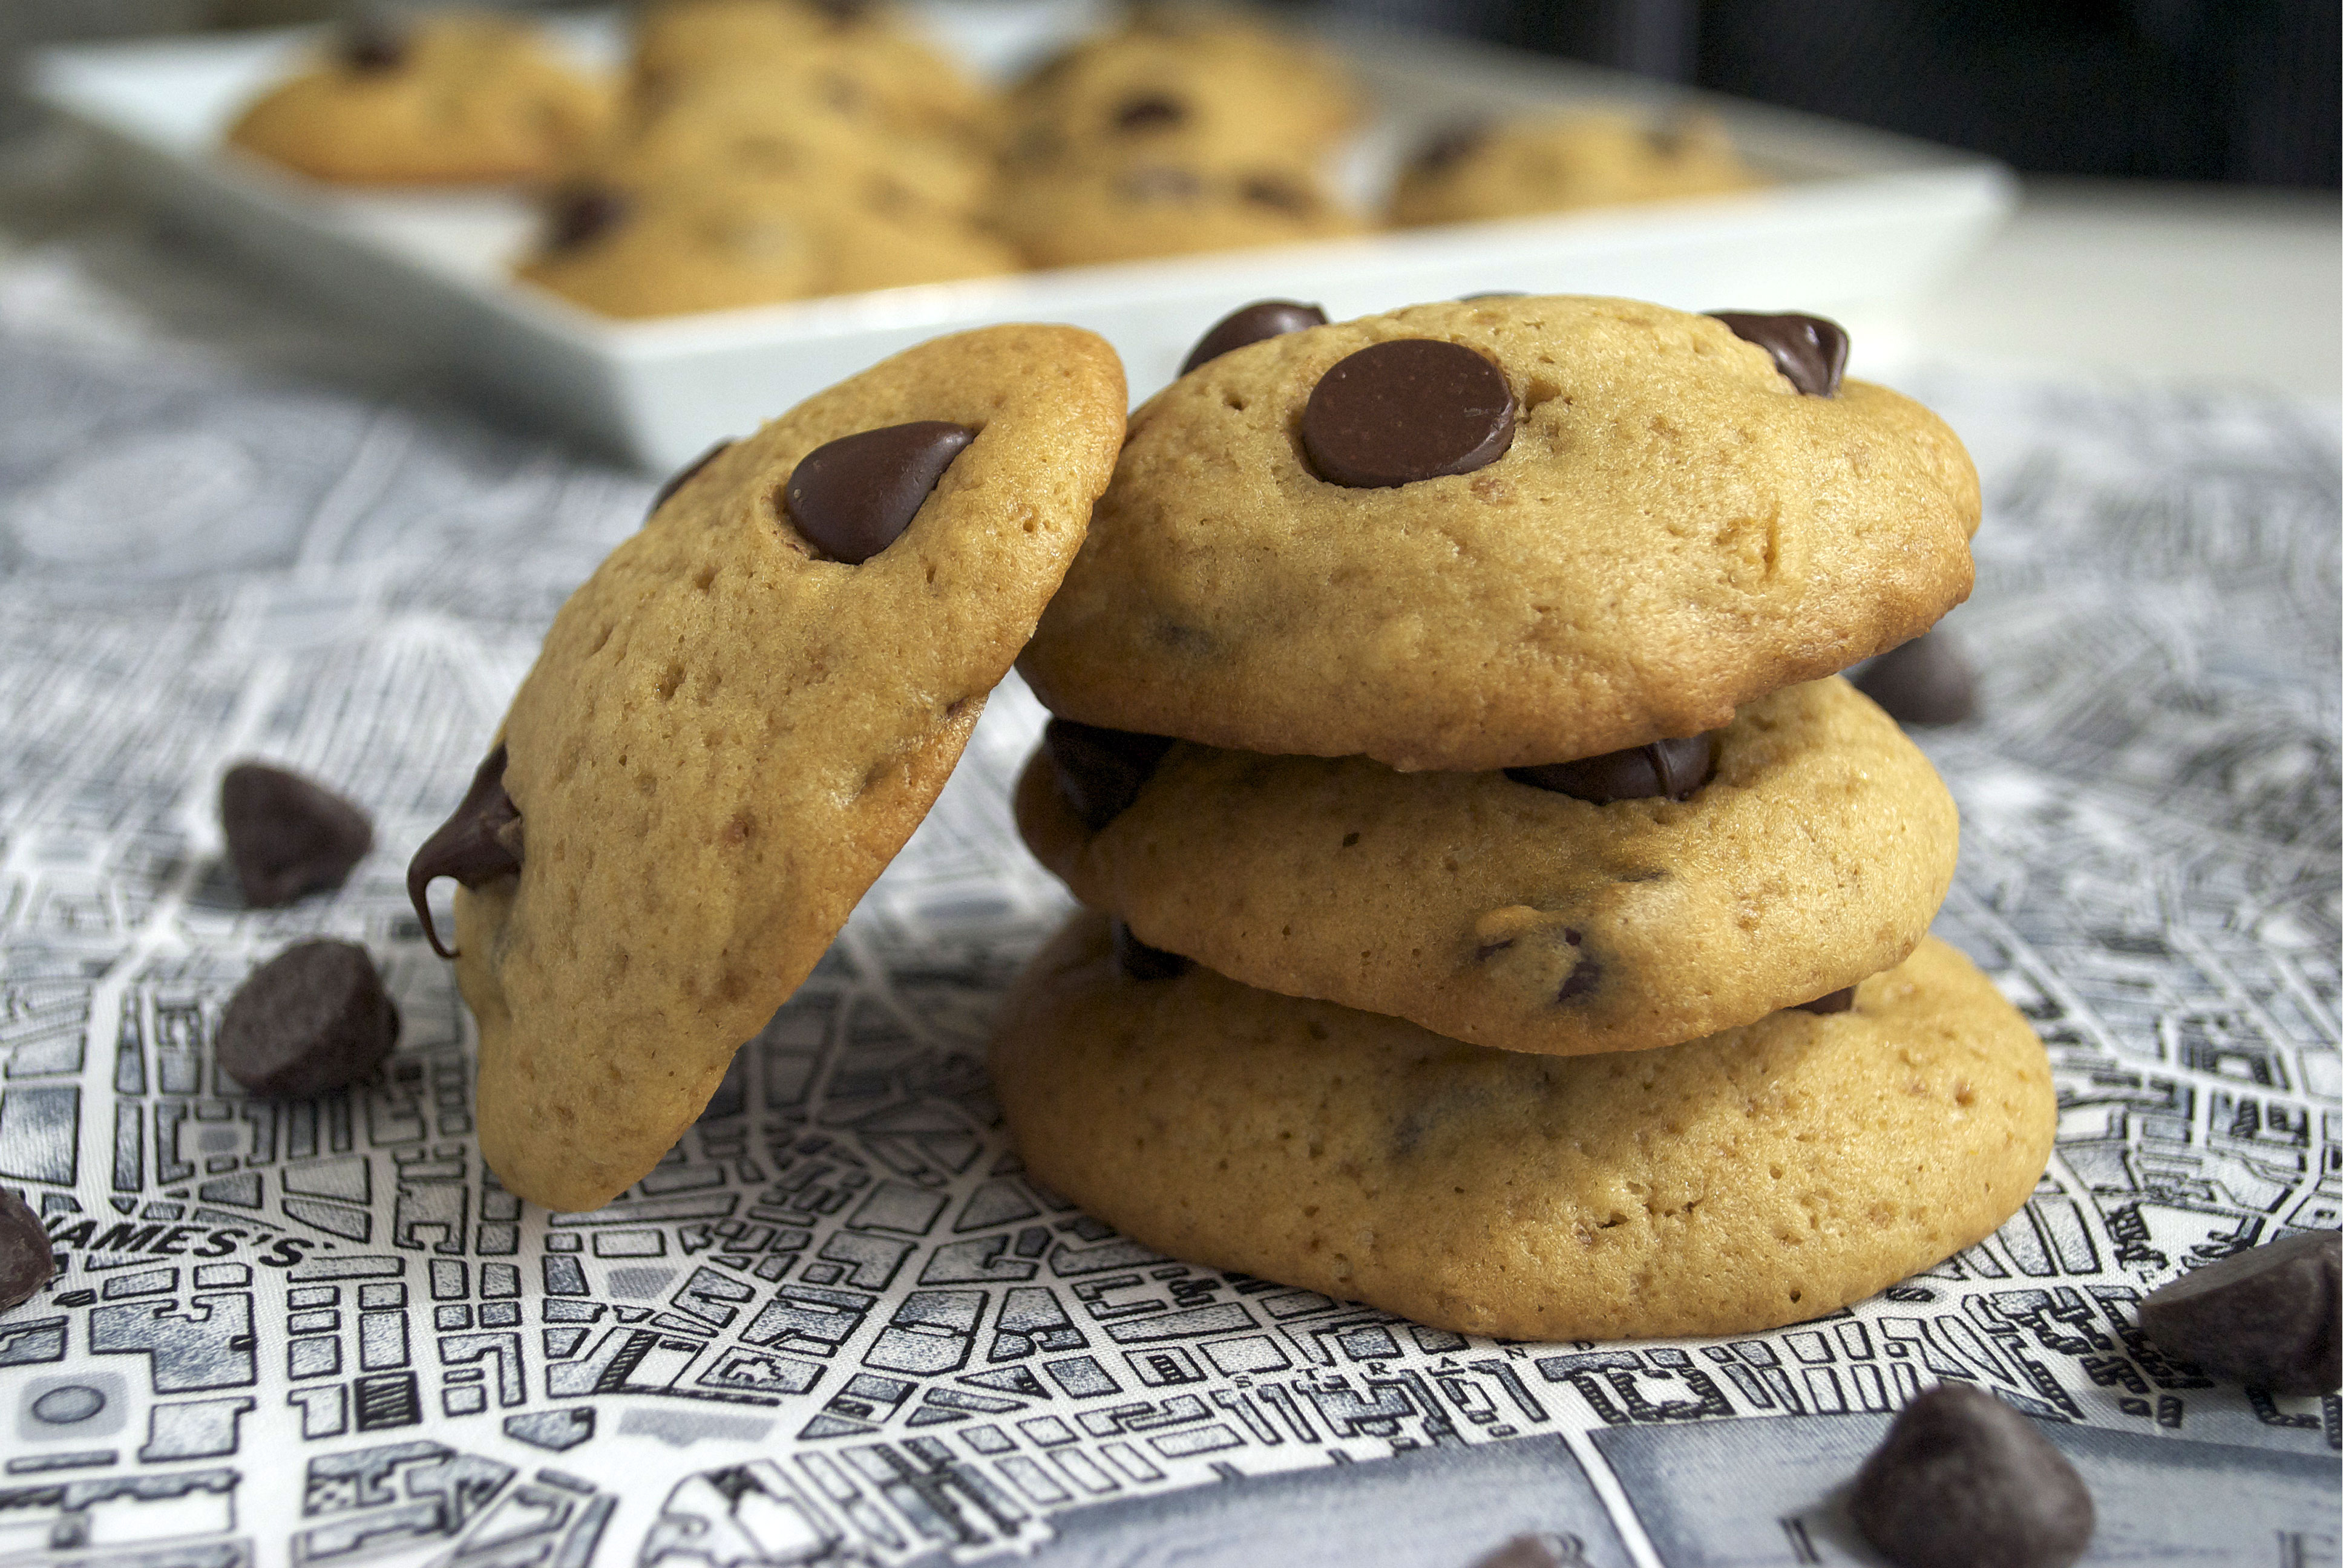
1763	1176
1617	904
737	721
450	99
721	244
1504	532
1517	168
1175	204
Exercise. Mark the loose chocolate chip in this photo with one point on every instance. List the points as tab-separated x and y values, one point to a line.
1264	318
1927	680
1141	962
26	1260
855	495
683	476
1840	1001
286	836
1446	147
1149	111
1962	1479
1808	349
1101	771
578	215
2264	1316
1675	768
478	843
1413	408
311	1020
372	44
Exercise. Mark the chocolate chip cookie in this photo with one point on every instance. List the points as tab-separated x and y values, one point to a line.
737	721
1174	201
444	100
1500	533
1762	1176
1515	168
1800	849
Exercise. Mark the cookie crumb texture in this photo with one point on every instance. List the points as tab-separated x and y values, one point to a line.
1674	531
1763	1176
1493	911
727	735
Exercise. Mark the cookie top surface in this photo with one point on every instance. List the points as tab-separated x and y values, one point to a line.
714	244
1670	529
1173	202
729	732
450	99
1763	1176
1206	65
1555	163
1493	910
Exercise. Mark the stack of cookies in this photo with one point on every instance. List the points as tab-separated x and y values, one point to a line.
1502	913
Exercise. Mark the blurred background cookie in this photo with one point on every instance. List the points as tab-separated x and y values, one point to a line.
1600	158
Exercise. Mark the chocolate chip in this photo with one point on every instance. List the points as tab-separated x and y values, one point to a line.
1101	771
478	843
311	1020
1141	962
683	476
2264	1316
1585	975
1808	349
1926	680
1158	182
1281	194
1673	768
287	835
855	495
1413	408
1149	111
372	44
27	1261
1264	318
1446	147
1961	1479
578	215
1840	1001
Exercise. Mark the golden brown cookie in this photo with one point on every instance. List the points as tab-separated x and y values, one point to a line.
1177	203
737	721
1500	532
447	100
1762	1176
714	245
1493	908
1519	168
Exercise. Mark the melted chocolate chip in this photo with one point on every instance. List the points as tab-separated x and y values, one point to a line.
312	1019
1926	680
372	43
683	476
287	835
1446	147
27	1261
1673	768
1840	1001
579	215
1264	318
1808	349
1962	1479
1586	975
855	495
1101	771
2264	1316
1149	111
1141	962
478	843
1410	409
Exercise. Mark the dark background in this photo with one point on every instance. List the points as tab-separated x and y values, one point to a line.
2214	90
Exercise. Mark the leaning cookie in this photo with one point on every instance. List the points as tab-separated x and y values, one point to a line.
1504	532
1762	1176
1617	904
737	720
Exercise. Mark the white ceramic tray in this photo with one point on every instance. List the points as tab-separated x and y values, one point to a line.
1860	224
